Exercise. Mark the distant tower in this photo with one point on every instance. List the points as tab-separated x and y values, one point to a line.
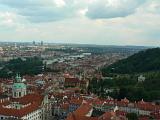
41	43
15	45
34	43
18	88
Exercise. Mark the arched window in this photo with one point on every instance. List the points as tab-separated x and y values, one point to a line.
15	94
19	94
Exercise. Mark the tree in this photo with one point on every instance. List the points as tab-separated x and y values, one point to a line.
132	116
29	66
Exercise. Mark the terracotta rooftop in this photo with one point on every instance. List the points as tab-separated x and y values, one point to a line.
34	101
72	80
80	113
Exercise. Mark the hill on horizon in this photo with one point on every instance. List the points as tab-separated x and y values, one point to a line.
143	61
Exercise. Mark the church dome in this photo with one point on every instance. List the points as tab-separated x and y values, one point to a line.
19	86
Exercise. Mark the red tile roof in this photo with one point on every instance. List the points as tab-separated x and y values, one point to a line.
80	113
72	80
19	112
34	101
143	118
77	101
30	98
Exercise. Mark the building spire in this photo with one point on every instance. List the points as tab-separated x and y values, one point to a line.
18	78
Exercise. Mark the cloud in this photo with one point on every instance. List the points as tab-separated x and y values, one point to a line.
81	21
60	3
152	7
54	10
104	9
9	20
42	11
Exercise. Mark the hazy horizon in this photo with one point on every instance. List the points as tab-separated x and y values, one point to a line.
97	22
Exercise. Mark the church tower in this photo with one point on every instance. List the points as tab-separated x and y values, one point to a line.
18	88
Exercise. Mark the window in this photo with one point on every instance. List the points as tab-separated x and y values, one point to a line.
19	94
14	94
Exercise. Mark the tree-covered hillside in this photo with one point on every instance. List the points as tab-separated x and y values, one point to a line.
125	73
30	66
143	61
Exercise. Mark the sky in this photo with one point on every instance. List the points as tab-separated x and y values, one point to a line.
103	22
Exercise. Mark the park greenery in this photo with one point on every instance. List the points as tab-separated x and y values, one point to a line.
122	81
30	66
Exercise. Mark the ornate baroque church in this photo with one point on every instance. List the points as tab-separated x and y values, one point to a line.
24	106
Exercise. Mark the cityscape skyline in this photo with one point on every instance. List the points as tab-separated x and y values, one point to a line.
105	22
79	60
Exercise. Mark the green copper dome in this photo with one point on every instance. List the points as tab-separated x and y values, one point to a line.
19	86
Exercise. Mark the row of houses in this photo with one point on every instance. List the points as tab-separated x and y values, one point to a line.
68	103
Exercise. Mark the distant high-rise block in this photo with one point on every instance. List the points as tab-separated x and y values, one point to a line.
34	43
41	43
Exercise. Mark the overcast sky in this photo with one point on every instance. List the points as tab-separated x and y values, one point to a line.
110	22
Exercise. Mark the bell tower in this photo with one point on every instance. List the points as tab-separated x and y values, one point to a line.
18	87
